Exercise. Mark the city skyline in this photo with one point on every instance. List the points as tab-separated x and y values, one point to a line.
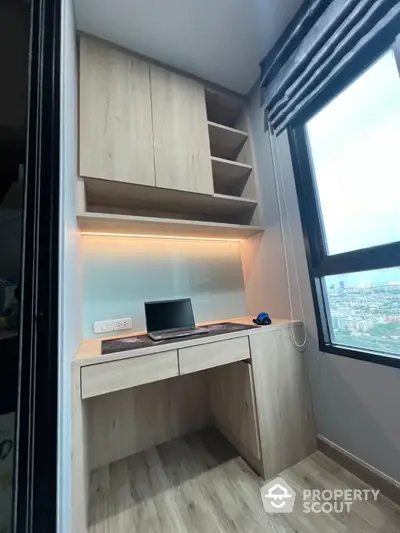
365	317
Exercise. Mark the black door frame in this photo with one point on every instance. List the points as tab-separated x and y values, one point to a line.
35	492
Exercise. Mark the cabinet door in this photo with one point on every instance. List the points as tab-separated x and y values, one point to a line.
233	405
116	133
181	141
283	397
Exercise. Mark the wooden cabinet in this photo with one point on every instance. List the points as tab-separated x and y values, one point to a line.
283	398
151	156
181	140
115	117
232	403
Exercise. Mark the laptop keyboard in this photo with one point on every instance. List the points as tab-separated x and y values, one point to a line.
143	341
182	333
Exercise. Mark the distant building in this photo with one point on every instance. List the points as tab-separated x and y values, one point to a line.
364	326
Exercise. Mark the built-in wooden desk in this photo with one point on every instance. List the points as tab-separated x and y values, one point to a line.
250	384
90	350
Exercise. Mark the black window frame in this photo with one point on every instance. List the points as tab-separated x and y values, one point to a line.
35	476
320	264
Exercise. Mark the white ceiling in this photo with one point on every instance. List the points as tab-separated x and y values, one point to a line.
222	41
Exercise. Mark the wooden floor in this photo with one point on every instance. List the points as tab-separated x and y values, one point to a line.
200	485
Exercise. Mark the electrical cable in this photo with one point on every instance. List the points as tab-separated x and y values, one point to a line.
277	166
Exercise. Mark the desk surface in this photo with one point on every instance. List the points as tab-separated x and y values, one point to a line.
90	350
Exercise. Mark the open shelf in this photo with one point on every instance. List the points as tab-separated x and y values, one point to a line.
223	108
146	201
225	142
151	226
227	174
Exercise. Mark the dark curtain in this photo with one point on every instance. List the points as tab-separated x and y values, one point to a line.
320	43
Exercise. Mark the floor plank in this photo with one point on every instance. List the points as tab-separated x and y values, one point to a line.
199	484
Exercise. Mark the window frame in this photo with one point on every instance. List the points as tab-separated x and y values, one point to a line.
320	264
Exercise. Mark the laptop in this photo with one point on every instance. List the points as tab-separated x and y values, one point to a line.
171	319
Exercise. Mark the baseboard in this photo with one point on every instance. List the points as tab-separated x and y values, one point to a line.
372	476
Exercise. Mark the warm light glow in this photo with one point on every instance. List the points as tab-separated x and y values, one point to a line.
176	237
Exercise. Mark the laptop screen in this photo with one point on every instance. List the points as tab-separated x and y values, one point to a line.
169	314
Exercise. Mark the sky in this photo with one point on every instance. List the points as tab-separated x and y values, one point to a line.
355	146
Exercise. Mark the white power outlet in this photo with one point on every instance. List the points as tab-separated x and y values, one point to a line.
122	323
106	326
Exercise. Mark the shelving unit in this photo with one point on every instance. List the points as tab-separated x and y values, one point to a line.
225	142
222	108
126	224
230	146
203	182
153	201
227	174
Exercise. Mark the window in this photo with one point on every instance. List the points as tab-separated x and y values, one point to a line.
354	144
364	309
347	165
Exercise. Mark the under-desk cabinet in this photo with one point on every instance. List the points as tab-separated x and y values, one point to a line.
253	387
233	406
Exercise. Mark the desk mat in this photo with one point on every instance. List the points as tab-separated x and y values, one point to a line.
143	341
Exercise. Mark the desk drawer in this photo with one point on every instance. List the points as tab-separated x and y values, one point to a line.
214	354
126	373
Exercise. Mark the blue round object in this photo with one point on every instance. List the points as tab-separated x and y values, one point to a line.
263	319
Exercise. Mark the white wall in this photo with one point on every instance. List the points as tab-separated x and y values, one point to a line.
356	403
120	274
221	41
70	320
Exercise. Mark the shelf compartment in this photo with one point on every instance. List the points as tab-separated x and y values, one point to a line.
140	200
223	108
225	142
229	174
151	226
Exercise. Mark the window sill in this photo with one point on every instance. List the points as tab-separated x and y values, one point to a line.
368	357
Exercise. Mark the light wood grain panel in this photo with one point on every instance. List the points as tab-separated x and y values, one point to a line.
90	350
81	203
251	187
232	403
154	199
225	142
109	377
285	414
199	485
115	118
139	225
133	420
211	355
192	485
229	176
245	154
223	108
79	455
181	142
255	463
